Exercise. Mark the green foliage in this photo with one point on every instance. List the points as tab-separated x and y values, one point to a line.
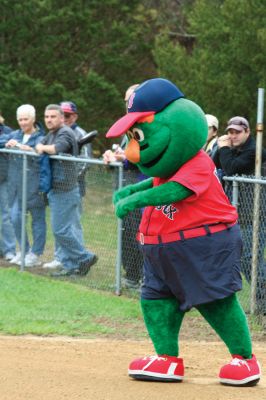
86	51
98	101
225	64
90	51
19	88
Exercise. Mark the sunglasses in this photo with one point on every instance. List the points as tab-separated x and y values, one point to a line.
67	116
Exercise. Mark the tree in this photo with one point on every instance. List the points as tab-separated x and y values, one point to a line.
226	63
87	51
90	51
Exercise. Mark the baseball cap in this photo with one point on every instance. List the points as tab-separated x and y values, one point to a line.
237	123
212	121
148	98
69	107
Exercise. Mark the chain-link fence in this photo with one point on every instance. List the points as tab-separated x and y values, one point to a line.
96	230
248	194
84	224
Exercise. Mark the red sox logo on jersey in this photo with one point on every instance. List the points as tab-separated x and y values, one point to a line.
168	210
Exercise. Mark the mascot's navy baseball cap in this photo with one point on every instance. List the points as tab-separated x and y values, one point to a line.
149	98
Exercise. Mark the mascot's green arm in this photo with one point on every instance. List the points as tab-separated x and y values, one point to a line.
167	193
130	189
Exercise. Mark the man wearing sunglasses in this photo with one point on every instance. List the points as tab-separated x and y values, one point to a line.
70	119
236	154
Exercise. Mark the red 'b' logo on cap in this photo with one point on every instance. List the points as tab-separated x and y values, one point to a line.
130	101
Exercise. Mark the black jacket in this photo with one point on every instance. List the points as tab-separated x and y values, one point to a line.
64	172
238	160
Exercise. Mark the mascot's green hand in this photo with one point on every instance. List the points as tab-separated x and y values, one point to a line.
122	193
130	189
167	193
123	207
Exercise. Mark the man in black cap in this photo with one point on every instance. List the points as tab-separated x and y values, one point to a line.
70	111
236	149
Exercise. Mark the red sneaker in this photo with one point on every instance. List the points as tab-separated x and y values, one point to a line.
240	372
157	368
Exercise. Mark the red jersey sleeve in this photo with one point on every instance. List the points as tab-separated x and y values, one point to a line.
195	174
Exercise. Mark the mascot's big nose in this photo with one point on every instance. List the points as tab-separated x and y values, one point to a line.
132	151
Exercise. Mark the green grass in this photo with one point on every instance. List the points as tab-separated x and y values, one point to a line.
31	304
37	305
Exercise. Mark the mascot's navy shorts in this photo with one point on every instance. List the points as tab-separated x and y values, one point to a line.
195	271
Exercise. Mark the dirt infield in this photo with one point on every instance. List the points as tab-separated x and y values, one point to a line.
35	368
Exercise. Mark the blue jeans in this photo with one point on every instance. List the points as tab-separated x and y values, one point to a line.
59	251
64	221
38	227
8	239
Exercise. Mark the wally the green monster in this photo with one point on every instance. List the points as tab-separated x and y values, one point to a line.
188	234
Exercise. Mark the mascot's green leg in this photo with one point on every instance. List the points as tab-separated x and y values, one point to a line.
228	319
163	321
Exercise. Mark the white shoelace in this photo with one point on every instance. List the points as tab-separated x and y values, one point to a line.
238	362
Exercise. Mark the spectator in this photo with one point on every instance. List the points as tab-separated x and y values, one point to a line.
132	259
4	129
70	119
64	197
236	150
8	239
26	138
213	126
236	154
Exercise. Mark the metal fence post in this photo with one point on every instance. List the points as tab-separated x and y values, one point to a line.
235	194
119	238
256	211
23	211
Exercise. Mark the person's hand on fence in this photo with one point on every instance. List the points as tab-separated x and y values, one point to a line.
25	147
12	143
108	157
39	148
113	156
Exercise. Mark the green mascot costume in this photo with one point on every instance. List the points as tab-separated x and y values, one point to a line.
188	234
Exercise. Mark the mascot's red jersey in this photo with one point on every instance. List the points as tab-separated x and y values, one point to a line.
208	205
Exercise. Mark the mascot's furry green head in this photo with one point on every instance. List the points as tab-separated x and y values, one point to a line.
164	129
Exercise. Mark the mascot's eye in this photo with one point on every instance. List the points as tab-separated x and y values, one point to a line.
138	134
130	135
